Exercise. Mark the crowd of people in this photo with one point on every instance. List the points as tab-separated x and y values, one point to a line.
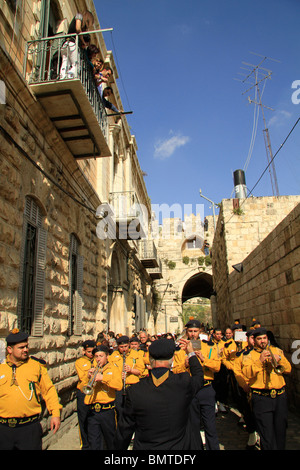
237	366
125	383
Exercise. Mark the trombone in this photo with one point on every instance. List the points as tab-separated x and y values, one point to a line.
278	368
88	389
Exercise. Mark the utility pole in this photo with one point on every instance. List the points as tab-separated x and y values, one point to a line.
266	74
213	207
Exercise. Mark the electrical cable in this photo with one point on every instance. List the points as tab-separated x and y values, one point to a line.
259	179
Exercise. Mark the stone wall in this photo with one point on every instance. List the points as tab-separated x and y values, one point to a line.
268	288
179	264
35	162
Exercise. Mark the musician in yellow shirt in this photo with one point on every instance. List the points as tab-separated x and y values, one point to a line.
203	403
264	367
23	381
130	365
82	365
101	420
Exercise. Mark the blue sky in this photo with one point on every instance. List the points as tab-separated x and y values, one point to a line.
178	63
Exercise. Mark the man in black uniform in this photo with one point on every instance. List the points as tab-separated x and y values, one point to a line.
147	412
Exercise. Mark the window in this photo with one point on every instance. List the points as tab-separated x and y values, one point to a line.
194	243
32	270
75	287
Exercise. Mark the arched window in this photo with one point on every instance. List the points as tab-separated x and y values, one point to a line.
75	287
32	270
193	243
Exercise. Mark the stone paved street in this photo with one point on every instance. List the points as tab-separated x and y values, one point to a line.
231	435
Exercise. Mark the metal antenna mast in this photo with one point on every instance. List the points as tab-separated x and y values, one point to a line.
254	73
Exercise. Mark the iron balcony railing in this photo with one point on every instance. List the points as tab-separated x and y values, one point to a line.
125	204
148	249
42	64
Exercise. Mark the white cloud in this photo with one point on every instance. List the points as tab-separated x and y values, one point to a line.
165	148
279	118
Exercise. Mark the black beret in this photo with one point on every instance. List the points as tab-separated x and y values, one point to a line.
89	343
250	332
162	349
123	340
259	332
16	336
193	324
101	348
134	339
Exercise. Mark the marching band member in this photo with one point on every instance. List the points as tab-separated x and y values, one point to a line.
243	389
100	397
131	366
23	380
203	404
82	366
135	345
157	408
264	367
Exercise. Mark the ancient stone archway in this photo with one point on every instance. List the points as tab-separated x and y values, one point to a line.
198	285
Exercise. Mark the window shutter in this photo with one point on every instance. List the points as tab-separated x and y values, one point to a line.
78	298
70	288
21	273
38	323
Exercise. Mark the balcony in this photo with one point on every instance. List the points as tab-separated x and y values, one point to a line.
148	254
130	216
156	273
73	104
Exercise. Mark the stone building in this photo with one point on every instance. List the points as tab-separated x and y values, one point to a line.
186	268
74	205
260	237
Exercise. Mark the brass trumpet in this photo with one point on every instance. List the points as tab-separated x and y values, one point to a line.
278	368
88	389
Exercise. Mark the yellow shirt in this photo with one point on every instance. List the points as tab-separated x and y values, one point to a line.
21	398
133	359
229	353
82	366
105	391
211	363
262	376
237	366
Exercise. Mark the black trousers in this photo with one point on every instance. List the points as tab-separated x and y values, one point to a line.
25	437
101	429
202	410
271	420
220	384
82	413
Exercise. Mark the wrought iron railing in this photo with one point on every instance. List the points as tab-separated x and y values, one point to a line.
125	204
42	64
148	249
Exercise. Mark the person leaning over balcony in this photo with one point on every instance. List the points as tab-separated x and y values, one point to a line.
102	76
24	381
79	24
107	92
